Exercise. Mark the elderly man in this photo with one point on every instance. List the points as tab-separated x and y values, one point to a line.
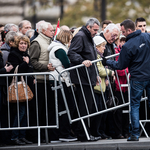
36	32
140	24
136	56
84	52
40	60
24	26
110	34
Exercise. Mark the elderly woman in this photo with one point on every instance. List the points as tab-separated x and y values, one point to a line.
19	56
97	120
59	59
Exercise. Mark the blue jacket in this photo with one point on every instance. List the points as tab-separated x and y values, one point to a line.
135	54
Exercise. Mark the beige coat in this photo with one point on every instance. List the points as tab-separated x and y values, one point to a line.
102	74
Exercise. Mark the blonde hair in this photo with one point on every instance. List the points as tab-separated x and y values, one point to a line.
23	38
64	36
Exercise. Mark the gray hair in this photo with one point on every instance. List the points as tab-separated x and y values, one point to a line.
111	27
43	26
10	36
38	24
28	33
22	22
9	27
92	21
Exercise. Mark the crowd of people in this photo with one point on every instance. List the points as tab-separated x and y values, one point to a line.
36	50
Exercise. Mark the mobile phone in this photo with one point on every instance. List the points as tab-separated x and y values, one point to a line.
8	63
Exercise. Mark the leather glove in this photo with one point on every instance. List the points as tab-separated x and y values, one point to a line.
104	61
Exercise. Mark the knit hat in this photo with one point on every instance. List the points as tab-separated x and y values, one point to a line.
98	40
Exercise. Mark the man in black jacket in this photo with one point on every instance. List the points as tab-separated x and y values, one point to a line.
82	51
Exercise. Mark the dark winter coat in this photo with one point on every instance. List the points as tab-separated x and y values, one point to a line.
16	58
82	48
109	48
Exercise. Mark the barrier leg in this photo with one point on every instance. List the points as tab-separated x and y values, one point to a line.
39	141
46	135
87	135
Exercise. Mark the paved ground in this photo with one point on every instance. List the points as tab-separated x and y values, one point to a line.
121	144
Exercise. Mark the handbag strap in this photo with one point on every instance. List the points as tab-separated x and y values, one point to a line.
14	80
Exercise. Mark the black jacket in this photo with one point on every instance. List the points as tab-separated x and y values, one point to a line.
82	48
15	57
109	48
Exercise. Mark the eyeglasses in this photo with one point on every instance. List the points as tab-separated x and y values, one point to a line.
114	35
51	30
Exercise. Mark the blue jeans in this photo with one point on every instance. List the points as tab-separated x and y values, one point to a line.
136	91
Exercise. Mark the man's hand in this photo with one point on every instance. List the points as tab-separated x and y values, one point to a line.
50	67
104	61
87	63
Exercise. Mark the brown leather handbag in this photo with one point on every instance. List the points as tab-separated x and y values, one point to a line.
19	91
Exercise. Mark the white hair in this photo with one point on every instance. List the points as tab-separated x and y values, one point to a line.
43	26
111	27
38	24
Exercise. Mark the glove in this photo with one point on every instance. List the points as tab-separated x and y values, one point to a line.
104	61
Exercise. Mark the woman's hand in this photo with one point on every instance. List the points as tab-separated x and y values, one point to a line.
26	59
113	73
34	81
8	68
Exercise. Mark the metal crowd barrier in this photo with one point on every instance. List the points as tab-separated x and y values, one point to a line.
37	126
81	118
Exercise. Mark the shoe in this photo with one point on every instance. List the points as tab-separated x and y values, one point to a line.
93	138
17	142
104	136
126	136
120	136
133	138
25	141
68	139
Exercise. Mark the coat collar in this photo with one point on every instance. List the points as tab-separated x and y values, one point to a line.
87	33
48	39
134	34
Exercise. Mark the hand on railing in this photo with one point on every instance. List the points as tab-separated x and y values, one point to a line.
87	63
